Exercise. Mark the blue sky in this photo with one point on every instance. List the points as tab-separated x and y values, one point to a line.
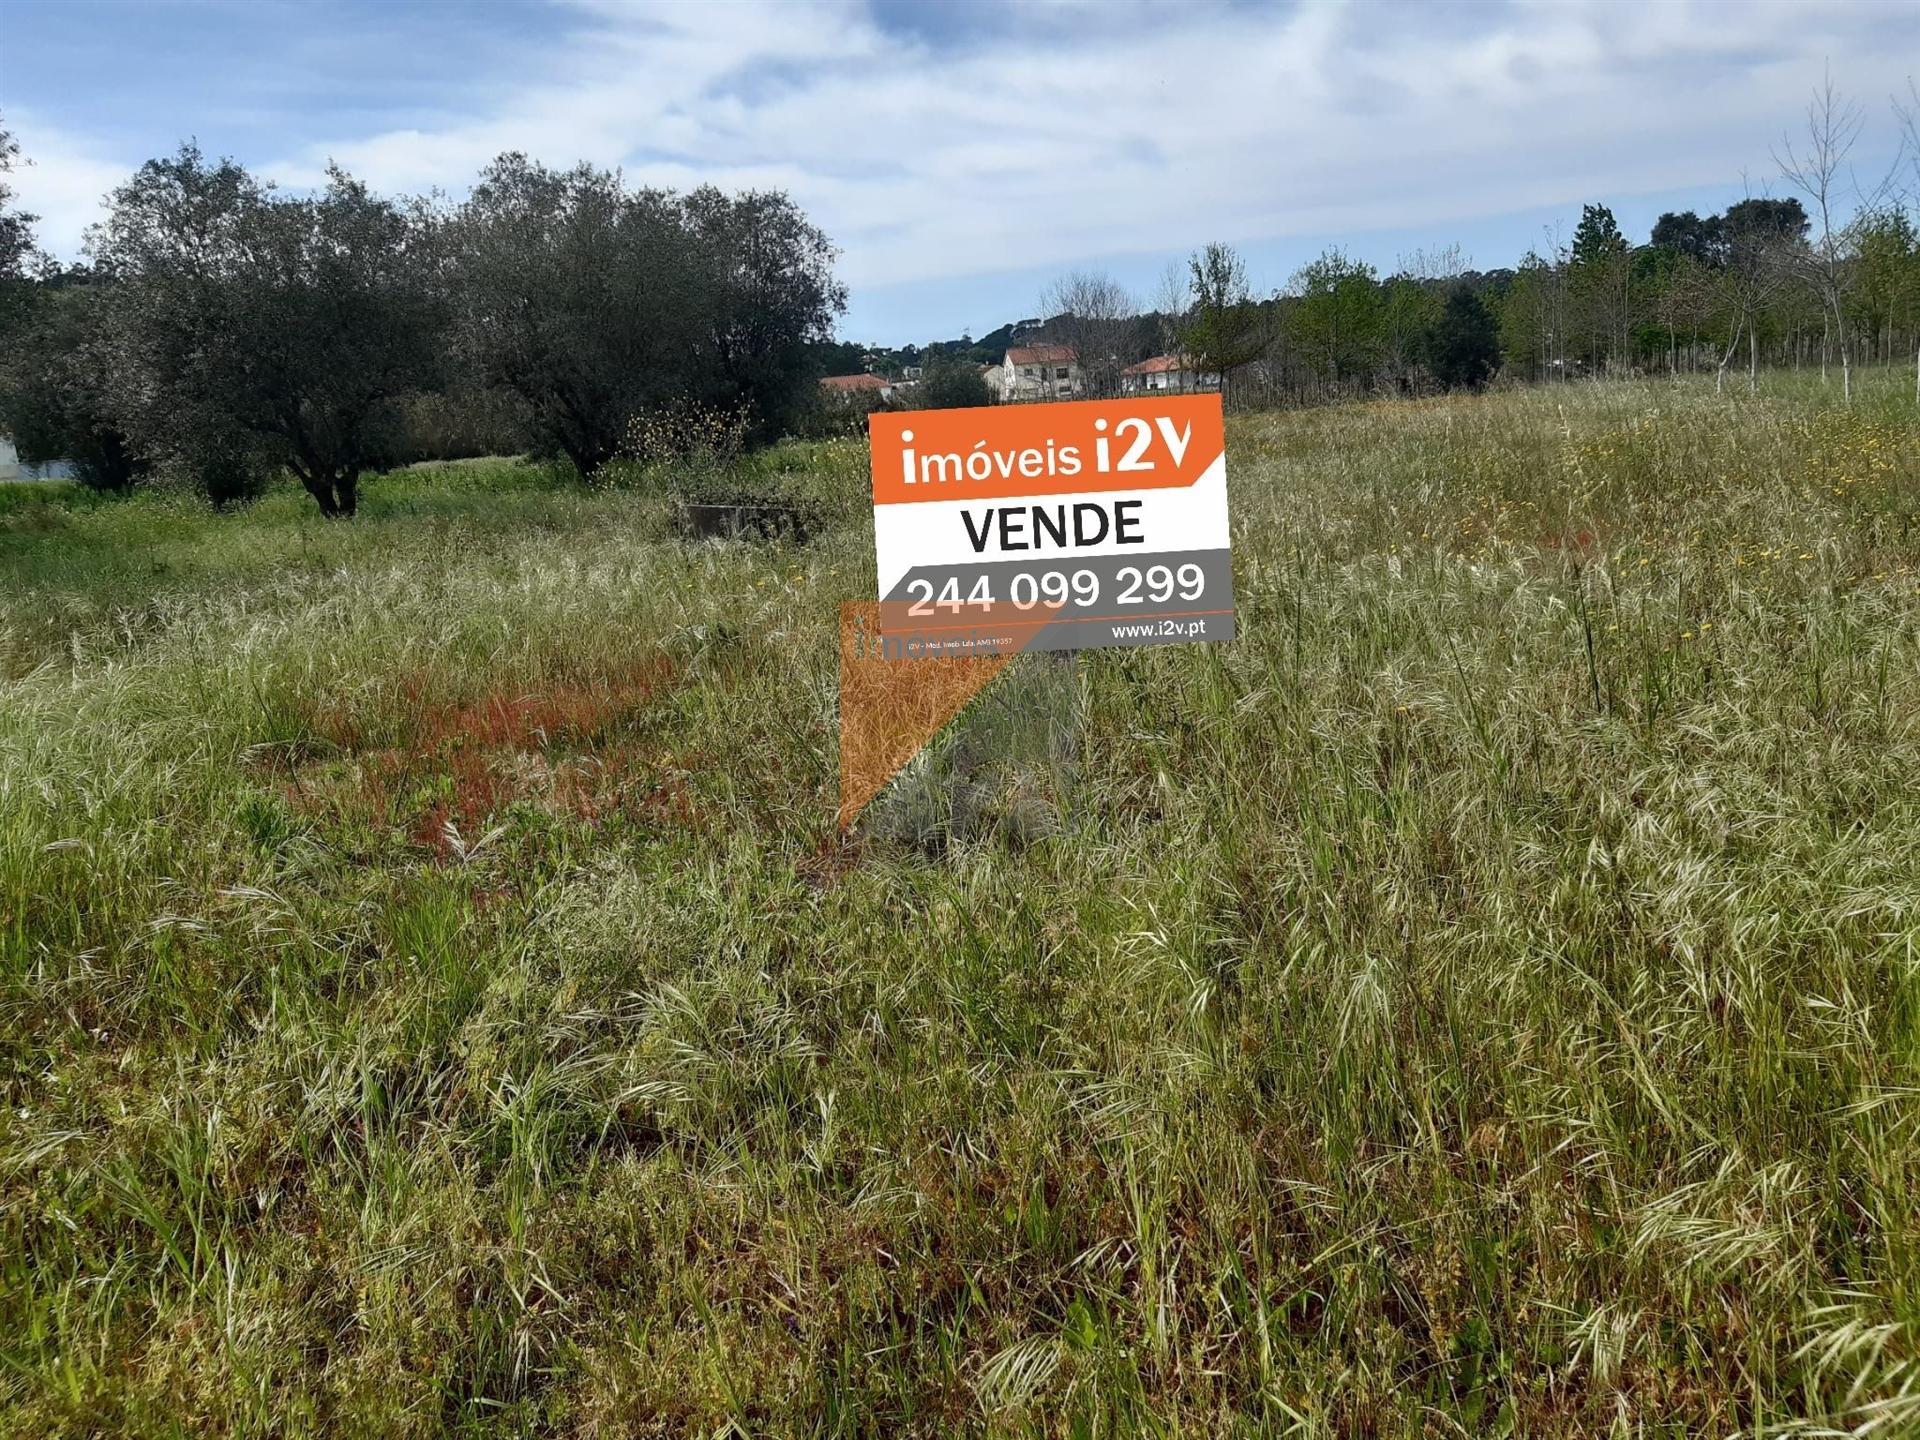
963	155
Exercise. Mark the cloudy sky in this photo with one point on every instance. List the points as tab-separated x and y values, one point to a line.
963	152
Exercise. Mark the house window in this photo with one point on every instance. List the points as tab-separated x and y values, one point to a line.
1060	374
1028	372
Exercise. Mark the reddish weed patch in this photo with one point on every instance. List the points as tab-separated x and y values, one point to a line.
1581	542
506	747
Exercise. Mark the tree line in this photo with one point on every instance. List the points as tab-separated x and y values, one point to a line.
1764	283
227	331
1826	274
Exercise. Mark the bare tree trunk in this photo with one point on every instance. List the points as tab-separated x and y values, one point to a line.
1720	370
1753	361
1846	359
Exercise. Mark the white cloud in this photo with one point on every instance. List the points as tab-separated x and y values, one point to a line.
1052	137
1152	134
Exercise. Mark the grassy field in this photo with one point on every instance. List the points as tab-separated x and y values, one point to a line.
1482	1000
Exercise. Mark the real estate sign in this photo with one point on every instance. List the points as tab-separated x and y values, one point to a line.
1052	527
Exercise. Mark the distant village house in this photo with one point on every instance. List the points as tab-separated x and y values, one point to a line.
848	387
1037	372
1166	372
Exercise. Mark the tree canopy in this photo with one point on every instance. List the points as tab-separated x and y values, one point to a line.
595	303
262	329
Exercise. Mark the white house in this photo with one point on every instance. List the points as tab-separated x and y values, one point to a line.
9	460
1166	372
1037	372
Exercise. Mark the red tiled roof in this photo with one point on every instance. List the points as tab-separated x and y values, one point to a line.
1040	355
1158	365
855	382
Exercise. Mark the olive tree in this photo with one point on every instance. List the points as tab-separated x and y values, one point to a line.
595	304
56	351
55	387
576	295
264	329
772	297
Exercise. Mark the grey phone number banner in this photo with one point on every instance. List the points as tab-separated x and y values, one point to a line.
1157	598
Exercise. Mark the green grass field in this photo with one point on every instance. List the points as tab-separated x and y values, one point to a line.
1482	1000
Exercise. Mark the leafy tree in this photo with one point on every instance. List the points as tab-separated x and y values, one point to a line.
595	304
1224	330
1465	347
838	357
578	296
1339	317
1409	311
949	384
1598	275
1887	255
1531	322
1684	233
54	388
1759	240
1760	220
16	226
1597	237
770	280
1680	295
261	329
18	253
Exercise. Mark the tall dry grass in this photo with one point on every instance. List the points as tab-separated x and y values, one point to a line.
1481	1000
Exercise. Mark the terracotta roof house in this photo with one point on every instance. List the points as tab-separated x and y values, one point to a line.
1037	372
1166	372
846	386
